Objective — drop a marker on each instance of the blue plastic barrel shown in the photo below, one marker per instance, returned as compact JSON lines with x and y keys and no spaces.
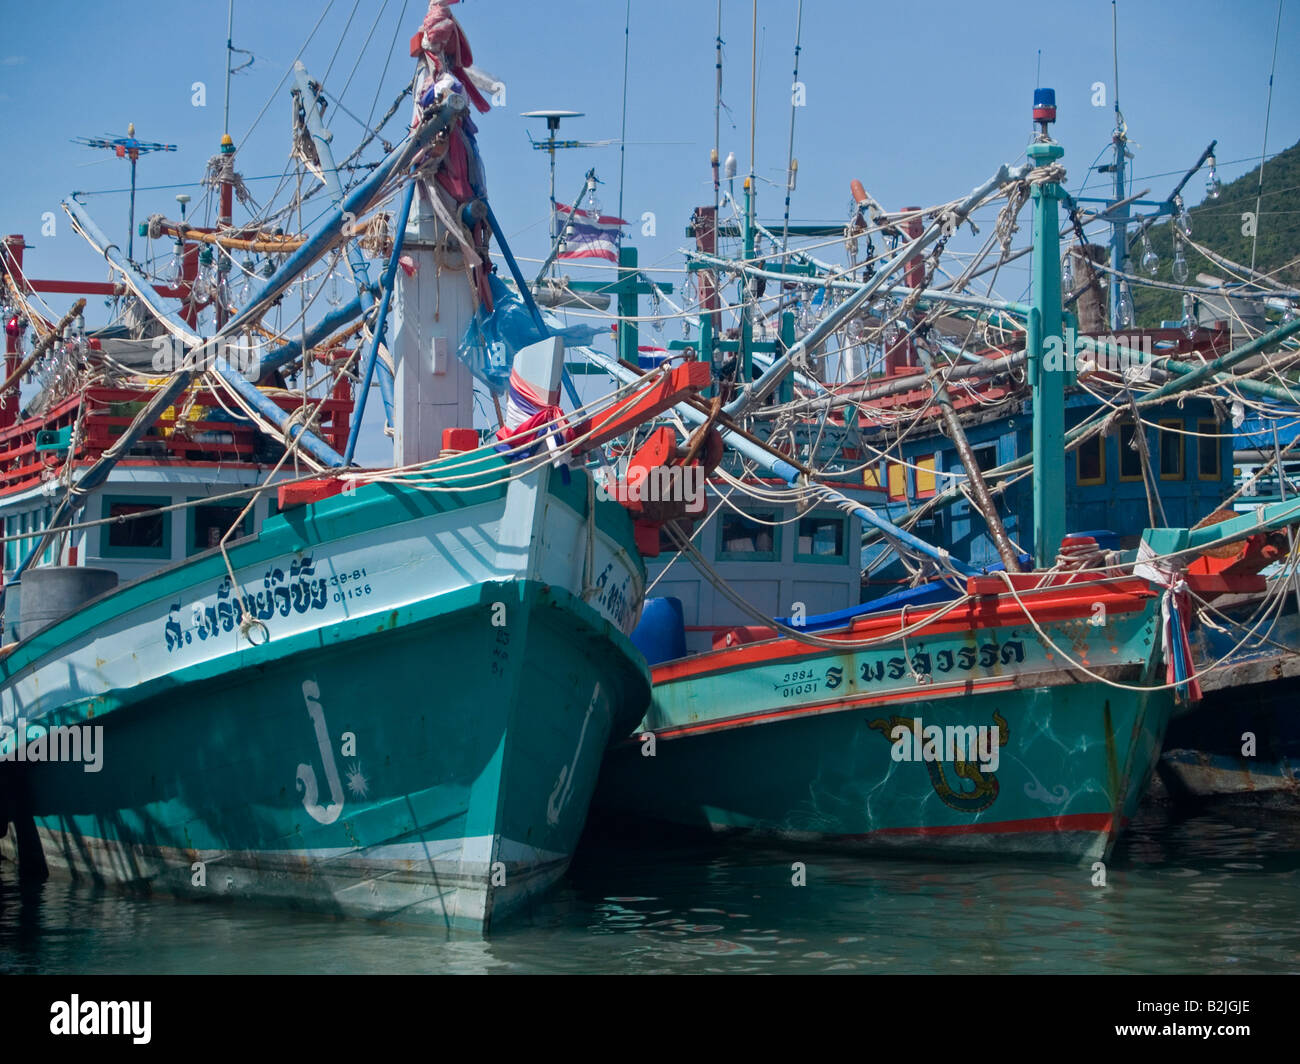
{"x":661,"y":635}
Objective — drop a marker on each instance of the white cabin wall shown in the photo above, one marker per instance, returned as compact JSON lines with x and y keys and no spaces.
{"x":771,"y":586}
{"x":432,"y":388}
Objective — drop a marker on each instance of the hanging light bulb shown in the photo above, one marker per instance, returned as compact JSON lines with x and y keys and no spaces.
{"x":77,"y":337}
{"x":244,"y":286}
{"x":1150,"y":260}
{"x":1184,"y":219}
{"x":268,"y":267}
{"x":175,"y":269}
{"x":1290,"y":314}
{"x":1067,"y":273}
{"x":334,"y":287}
{"x":202,"y":289}
{"x":1179,"y":268}
{"x":818,"y":309}
{"x":1213,"y":186}
{"x":1189,"y":315}
{"x":1124,"y":310}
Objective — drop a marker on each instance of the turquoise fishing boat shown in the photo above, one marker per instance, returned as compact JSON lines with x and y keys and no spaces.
{"x":378,"y":692}
{"x":976,"y":710}
{"x":977,"y":725}
{"x":410,"y":728}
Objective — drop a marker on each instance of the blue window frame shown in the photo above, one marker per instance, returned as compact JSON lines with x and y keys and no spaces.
{"x":206,"y":523}
{"x":144,"y":537}
{"x":749,"y":537}
{"x":822,"y":538}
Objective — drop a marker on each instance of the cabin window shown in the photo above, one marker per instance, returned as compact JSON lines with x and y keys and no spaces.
{"x":925,"y":476}
{"x":207,"y":523}
{"x":1090,"y":461}
{"x":139,"y":537}
{"x":1208,"y":453}
{"x":1171,"y":450}
{"x":986,"y":457}
{"x":871,"y":476}
{"x":1130,"y":459}
{"x":897,"y":481}
{"x":749,"y":537}
{"x":821,"y":539}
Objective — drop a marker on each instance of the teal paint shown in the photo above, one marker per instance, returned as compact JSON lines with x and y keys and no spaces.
{"x":1048,"y":381}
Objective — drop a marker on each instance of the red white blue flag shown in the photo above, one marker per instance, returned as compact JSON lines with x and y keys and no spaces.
{"x":588,"y":235}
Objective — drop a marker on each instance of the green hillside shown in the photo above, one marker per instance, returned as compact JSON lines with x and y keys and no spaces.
{"x":1217,"y":224}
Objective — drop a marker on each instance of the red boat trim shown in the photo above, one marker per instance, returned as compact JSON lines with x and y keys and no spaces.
{"x":1091,"y":822}
{"x":1052,"y":604}
{"x":966,"y":687}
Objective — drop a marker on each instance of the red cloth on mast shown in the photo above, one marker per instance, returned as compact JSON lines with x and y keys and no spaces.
{"x":441,"y":34}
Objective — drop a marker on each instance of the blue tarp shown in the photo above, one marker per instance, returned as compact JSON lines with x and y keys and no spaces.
{"x":491,"y":342}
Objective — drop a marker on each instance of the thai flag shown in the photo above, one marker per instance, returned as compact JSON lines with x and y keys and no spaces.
{"x":587,"y":235}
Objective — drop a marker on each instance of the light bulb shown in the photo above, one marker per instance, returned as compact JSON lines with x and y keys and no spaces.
{"x":77,"y":337}
{"x":1189,"y":317}
{"x":1067,"y":273}
{"x":1150,"y":260}
{"x":175,"y":270}
{"x":1213,"y":186}
{"x":334,"y":289}
{"x":805,"y":312}
{"x":1290,"y":314}
{"x":1124,"y":310}
{"x":1180,"y":265}
{"x":244,"y":286}
{"x":199,"y":289}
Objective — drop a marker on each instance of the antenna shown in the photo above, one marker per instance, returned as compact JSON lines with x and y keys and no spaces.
{"x":792,"y":164}
{"x":126,"y":148}
{"x":551,"y":146}
{"x":622,"y":136}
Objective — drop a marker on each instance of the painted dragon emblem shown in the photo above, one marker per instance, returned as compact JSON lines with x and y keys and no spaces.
{"x":983,"y":790}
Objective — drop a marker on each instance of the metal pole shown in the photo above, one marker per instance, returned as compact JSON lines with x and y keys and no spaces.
{"x":130,"y":224}
{"x":1048,"y":381}
{"x":377,"y":334}
{"x":983,"y":501}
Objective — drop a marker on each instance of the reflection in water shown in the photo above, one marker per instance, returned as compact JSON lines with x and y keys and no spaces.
{"x":1198,"y":895}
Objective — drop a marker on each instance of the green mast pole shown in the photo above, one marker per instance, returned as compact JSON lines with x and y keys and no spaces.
{"x":628,"y":305}
{"x":1048,"y":381}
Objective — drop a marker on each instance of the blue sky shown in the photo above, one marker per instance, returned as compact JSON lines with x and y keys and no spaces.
{"x":920,"y":102}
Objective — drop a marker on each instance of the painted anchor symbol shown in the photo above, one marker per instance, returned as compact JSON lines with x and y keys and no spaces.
{"x":322,"y":814}
{"x":564,"y":783}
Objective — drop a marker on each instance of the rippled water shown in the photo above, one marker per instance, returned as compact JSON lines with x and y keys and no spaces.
{"x":1204,"y":894}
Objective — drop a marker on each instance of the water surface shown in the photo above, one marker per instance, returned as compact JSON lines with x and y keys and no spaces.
{"x":1201,"y":894}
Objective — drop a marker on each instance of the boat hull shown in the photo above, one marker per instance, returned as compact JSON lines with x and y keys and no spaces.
{"x":828,"y":747}
{"x":431,"y":761}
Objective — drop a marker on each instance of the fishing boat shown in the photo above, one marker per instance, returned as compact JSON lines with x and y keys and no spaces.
{"x":981,"y":707}
{"x":260,"y":671}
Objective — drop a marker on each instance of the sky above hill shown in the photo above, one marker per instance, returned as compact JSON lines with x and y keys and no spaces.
{"x":920,"y":102}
